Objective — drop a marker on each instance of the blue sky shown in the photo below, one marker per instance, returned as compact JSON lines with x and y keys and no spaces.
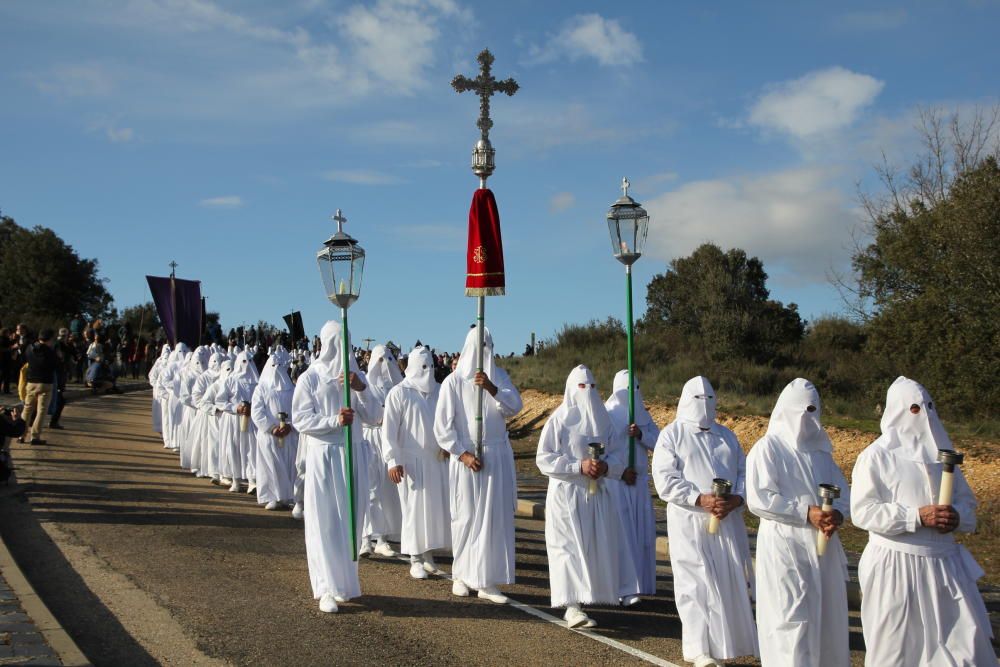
{"x":223,"y":135}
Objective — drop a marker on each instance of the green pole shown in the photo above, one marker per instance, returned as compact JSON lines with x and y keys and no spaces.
{"x":348,"y":449}
{"x":631,"y":363}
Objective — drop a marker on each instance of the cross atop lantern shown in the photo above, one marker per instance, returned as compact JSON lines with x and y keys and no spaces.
{"x":628,"y":223}
{"x":341,"y":263}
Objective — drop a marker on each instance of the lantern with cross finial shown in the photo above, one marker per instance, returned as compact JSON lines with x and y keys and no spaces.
{"x":341,"y":263}
{"x":628,"y":223}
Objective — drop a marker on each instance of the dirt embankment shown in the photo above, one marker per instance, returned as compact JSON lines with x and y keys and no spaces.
{"x":982,"y":457}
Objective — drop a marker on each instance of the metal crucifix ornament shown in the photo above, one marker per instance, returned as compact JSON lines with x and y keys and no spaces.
{"x":484,"y":259}
{"x":484,"y":85}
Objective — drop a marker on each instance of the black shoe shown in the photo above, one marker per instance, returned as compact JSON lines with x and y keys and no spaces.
{"x":37,"y":441}
{"x":58,"y":427}
{"x":21,"y":440}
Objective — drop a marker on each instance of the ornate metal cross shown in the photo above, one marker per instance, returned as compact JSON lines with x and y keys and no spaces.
{"x":484,"y":85}
{"x":173,"y":268}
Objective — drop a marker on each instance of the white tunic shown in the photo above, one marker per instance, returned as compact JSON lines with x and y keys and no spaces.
{"x":712,"y":573}
{"x":408,"y":431}
{"x":316,"y":407}
{"x":275,"y":467}
{"x":920,"y":604}
{"x":482,"y":503}
{"x":238,"y":448}
{"x":583,"y":532}
{"x":801,"y":598}
{"x":207,"y":443}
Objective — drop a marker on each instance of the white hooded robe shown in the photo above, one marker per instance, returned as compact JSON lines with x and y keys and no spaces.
{"x":408,"y":432}
{"x":919,"y":601}
{"x":801,"y":597}
{"x":583,"y":532}
{"x":712,"y":573}
{"x":275,"y":466}
{"x":482,"y":503}
{"x":384,"y":517}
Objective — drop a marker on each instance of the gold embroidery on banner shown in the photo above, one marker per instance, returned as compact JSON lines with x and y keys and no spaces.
{"x":479,"y":255}
{"x":479,"y":275}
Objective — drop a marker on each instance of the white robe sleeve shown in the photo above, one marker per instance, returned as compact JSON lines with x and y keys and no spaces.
{"x":668,"y":473}
{"x":552,"y":459}
{"x":225,"y":397}
{"x":871,"y":506}
{"x":393,"y":424}
{"x":616,"y":455}
{"x":740,"y":487}
{"x":764,"y":488}
{"x":207,"y":403}
{"x":259,"y":412}
{"x":446,"y":419}
{"x":306,"y":417}
{"x":367,"y":408}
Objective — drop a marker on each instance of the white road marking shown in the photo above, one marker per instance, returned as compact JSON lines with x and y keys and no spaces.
{"x":590,"y":634}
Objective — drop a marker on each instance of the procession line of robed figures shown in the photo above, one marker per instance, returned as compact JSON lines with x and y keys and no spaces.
{"x":419,"y":482}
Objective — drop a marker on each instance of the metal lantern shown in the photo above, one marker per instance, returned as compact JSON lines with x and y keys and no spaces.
{"x":341,"y":263}
{"x":628,"y":223}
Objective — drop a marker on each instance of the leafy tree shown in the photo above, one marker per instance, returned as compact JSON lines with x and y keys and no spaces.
{"x":44,"y":280}
{"x":142,"y":319}
{"x":720,"y":303}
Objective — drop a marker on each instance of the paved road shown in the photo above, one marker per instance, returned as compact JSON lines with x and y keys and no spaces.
{"x":144,"y":564}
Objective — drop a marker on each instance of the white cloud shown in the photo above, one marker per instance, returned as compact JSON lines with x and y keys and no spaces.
{"x":868,"y":21}
{"x":589,"y":36}
{"x":797,"y":221}
{"x":561,"y":201}
{"x":360,"y":177}
{"x":227,"y":201}
{"x":816,"y":104}
{"x":75,"y":80}
{"x":119,"y":135}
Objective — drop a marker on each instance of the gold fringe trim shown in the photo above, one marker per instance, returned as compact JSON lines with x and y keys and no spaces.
{"x":485,"y":291}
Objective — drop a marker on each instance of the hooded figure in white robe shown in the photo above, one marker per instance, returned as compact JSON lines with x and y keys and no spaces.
{"x":154,"y":380}
{"x":920,"y":604}
{"x":583,"y":530}
{"x":384,"y":518}
{"x":170,"y":389}
{"x":635,"y":501}
{"x":417,"y":466}
{"x":215,"y":453}
{"x":713,"y":574}
{"x":316,"y":415}
{"x":238,"y":447}
{"x":275,"y":455}
{"x":206,"y":427}
{"x":801,"y":596}
{"x":482,"y":501}
{"x":197,"y":363}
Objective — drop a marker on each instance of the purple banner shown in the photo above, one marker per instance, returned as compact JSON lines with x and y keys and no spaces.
{"x":178,"y":303}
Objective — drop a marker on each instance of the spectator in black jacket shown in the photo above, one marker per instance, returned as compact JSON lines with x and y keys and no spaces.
{"x":42,"y":365}
{"x":11,"y":426}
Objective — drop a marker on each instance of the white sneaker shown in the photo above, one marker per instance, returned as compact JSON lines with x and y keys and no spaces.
{"x":705,"y":660}
{"x":574,"y":617}
{"x":225,"y":481}
{"x":366,"y":549}
{"x":417,"y":570}
{"x":271,"y":506}
{"x":297,"y":512}
{"x":630,"y":600}
{"x":493,"y":594}
{"x":339,"y":599}
{"x":459,"y":588}
{"x":430,"y":567}
{"x":252,"y":487}
{"x":327,"y":604}
{"x":235,"y":488}
{"x":383,"y":549}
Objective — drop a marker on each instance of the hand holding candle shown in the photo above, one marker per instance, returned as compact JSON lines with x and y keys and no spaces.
{"x":949,"y":459}
{"x":282,"y":416}
{"x":596,"y":451}
{"x":828,"y":493}
{"x":244,"y":412}
{"x":720,"y":489}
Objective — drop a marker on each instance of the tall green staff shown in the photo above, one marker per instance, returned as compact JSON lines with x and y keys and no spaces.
{"x":485,"y":275}
{"x":628,"y":223}
{"x":341,"y":263}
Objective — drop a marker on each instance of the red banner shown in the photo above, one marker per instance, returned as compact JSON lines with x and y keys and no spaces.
{"x":484,"y":276}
